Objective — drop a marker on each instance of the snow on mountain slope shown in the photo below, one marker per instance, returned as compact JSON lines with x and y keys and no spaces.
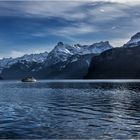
{"x":134,"y":41}
{"x":34,"y":57}
{"x":62,"y":51}
{"x":6,"y":62}
{"x":95,"y":48}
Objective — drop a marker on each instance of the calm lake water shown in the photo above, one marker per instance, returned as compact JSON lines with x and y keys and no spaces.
{"x":70,"y":109}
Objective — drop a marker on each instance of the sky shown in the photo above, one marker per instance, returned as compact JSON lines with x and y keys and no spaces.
{"x":36,"y":26}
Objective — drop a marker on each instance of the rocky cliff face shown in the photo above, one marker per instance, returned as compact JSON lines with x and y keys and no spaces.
{"x":76,"y":67}
{"x":63,"y":62}
{"x":133,"y":42}
{"x":62,"y":52}
{"x":118,"y":63}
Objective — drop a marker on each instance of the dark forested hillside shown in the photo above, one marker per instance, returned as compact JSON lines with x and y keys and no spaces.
{"x":117,"y":63}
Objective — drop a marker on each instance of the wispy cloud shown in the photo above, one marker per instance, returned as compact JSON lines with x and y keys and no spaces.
{"x":79,"y":29}
{"x":108,"y":12}
{"x":29,"y":24}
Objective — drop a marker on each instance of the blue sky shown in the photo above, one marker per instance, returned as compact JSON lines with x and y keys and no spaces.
{"x":36,"y":26}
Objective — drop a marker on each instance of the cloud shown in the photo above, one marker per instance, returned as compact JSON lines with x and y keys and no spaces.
{"x":15,"y":54}
{"x":42,"y":9}
{"x":68,"y":10}
{"x":79,"y":29}
{"x":33,"y":22}
{"x":121,"y":1}
{"x":118,"y":42}
{"x":108,"y":12}
{"x":12,"y":54}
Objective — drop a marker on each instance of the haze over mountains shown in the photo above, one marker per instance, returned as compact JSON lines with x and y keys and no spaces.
{"x":73,"y":61}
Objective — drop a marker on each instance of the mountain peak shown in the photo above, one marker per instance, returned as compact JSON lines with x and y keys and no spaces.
{"x":136,"y":36}
{"x":134,"y":41}
{"x":106,"y":42}
{"x":60,"y":44}
{"x":102,"y":43}
{"x":61,"y":47}
{"x":100,"y":46}
{"x":77,"y":45}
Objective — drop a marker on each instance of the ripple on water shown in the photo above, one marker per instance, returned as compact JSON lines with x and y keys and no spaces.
{"x":71,"y":110}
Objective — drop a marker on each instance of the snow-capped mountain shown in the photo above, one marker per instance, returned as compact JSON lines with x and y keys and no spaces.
{"x":34,"y":57}
{"x":64,"y":61}
{"x":95,"y":48}
{"x":134,"y":41}
{"x":75,"y":67}
{"x":7,"y":62}
{"x":62,"y":51}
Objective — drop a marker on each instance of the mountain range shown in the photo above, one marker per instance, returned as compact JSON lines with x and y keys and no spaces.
{"x":117,"y":63}
{"x":63,"y":62}
{"x":7,"y":62}
{"x":99,"y":60}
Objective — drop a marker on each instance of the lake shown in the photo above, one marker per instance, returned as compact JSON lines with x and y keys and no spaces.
{"x":99,"y":109}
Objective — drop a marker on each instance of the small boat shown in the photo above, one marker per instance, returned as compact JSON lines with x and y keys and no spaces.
{"x":28,"y":79}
